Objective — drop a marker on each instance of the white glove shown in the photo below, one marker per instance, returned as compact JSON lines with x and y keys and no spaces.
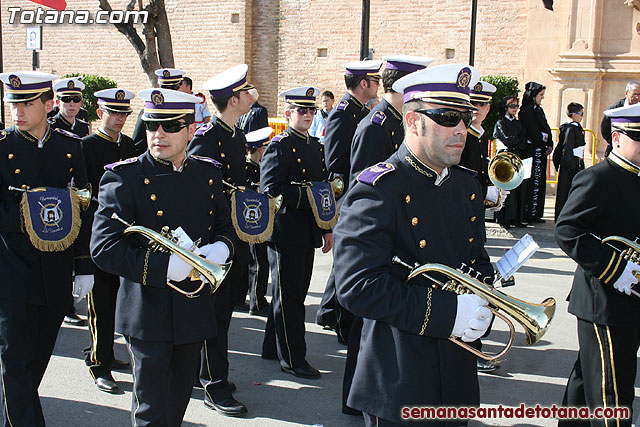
{"x":472,"y":318}
{"x":184,"y":241}
{"x":82,"y":285}
{"x":217,"y":252}
{"x":178,"y":270}
{"x":627,"y":278}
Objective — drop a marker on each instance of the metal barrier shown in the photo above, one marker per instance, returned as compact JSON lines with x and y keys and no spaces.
{"x":594,"y":157}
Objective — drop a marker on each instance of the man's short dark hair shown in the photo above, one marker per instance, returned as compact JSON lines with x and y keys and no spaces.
{"x":573,"y":108}
{"x":221,"y":102}
{"x":412,"y":105}
{"x":189,"y":118}
{"x":188,"y":82}
{"x":389,"y":77}
{"x":352,"y":81}
{"x":328,"y":94}
{"x":46,"y":96}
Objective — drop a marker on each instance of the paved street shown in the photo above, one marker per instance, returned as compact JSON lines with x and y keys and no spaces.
{"x":528,"y":375}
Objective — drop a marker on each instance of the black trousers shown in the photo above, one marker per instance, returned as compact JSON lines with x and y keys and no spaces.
{"x":27,"y":337}
{"x":353,"y":347}
{"x":214,"y":364}
{"x":537,"y":185}
{"x":241,"y":286}
{"x":162,"y":380}
{"x":291,"y":268}
{"x":102,"y":314}
{"x":605,"y":371}
{"x":258,"y":276}
{"x":331,"y":313}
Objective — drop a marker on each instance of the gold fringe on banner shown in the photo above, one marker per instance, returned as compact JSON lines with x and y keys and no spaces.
{"x":253,"y":238}
{"x":48,"y":245}
{"x":325,"y":225}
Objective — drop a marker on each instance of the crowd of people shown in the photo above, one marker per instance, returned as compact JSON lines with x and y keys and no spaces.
{"x":141,"y":225}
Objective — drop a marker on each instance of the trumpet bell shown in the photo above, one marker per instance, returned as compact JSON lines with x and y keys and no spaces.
{"x":337,"y":185}
{"x":84,"y":196}
{"x":506,"y":171}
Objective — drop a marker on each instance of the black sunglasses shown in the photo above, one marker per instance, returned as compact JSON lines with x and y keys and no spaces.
{"x":480,"y":103}
{"x":633,"y":134}
{"x":304,"y":110}
{"x":169,"y":126}
{"x":447,"y":117}
{"x":75,"y":98}
{"x":512,"y":105}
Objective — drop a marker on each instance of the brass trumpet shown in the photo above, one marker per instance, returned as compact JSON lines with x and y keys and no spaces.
{"x":631,"y":253}
{"x":505,"y":172}
{"x":84,"y":194}
{"x":534,"y":318}
{"x":212,"y":273}
{"x":337,"y":185}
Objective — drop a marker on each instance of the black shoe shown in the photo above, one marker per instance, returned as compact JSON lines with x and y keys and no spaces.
{"x":242,"y":306}
{"x":119,"y":365}
{"x":350,"y":411}
{"x":74,"y":319}
{"x":486,"y":365}
{"x":229,"y":406}
{"x":106,"y":383}
{"x":307,"y":371}
{"x":264,"y":311}
{"x":519,"y":225}
{"x":269,"y":356}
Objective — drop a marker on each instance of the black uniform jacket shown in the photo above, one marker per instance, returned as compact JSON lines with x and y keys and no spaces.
{"x":534,"y":122}
{"x":293,"y":157}
{"x":80,"y":127}
{"x":476,"y":157}
{"x":256,"y":118}
{"x":149,"y":193}
{"x":405,"y":357}
{"x":253,"y":174}
{"x":29,"y":275}
{"x":604,"y":201}
{"x":338,"y":134}
{"x":139,"y":135}
{"x":377,"y":137}
{"x":224,"y":143}
{"x":99,"y":149}
{"x":605,"y":125}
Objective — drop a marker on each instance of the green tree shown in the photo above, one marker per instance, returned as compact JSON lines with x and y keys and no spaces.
{"x":505,"y":86}
{"x":92,"y":83}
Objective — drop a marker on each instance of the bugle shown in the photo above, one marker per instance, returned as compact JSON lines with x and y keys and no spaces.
{"x":631,"y":253}
{"x":204,"y":270}
{"x":534,"y":318}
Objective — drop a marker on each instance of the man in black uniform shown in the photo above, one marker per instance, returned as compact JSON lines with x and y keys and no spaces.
{"x":293,"y":157}
{"x":256,"y":118}
{"x":107,"y":145}
{"x":168,"y":78}
{"x":420,"y":207}
{"x":631,"y":96}
{"x":603,"y":202}
{"x":362,"y":79}
{"x":377,"y":137}
{"x":257,"y":142}
{"x":476,"y":150}
{"x":222,"y":141}
{"x":69,"y":100}
{"x":36,"y":284}
{"x":164,"y":329}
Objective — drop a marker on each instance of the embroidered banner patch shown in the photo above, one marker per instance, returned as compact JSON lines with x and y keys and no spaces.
{"x":51,"y":217}
{"x":252,"y":215}
{"x":323,"y":204}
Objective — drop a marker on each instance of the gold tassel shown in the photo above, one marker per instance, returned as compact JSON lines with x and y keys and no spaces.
{"x":325,"y":225}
